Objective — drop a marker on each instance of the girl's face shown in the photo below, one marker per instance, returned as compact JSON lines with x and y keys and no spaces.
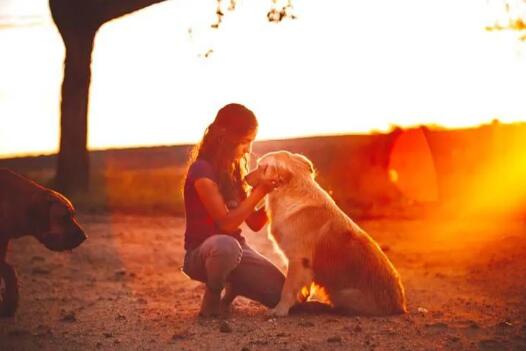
{"x":245,"y":145}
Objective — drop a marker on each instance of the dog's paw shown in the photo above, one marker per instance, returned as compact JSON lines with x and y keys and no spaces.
{"x":7,"y":310}
{"x":278,"y":311}
{"x":8,"y":301}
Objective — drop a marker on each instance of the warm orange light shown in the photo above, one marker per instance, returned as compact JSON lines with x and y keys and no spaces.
{"x":314,"y":292}
{"x":499,"y":187}
{"x":488,"y":194}
{"x":411,"y":166}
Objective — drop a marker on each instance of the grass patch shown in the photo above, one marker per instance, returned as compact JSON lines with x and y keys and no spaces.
{"x":150,"y":191}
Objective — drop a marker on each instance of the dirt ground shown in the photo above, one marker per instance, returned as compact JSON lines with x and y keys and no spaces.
{"x":123,"y":290}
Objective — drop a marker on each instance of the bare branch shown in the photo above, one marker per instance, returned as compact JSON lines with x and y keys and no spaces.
{"x":278,"y":12}
{"x":516,"y":18}
{"x":93,"y":13}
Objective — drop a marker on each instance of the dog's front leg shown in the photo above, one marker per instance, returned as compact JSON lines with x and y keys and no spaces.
{"x":297,"y":277}
{"x":9,"y":297}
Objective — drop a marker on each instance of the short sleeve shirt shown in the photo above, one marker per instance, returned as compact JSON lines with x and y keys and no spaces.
{"x":199,"y":224}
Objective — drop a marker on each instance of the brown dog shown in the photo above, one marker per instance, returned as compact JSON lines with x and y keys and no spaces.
{"x":323,"y":245}
{"x":27,"y":208}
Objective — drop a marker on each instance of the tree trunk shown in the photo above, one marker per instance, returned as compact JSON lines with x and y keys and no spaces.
{"x":73,"y":158}
{"x":78,"y":22}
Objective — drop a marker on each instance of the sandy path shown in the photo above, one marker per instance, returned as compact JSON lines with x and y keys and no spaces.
{"x":122,"y":290}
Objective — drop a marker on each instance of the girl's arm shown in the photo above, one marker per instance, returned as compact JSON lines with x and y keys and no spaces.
{"x":228,"y":220}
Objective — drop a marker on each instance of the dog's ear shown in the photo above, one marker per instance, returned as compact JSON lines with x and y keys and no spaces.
{"x":270,"y":170}
{"x":280,"y":171}
{"x":38,"y":213}
{"x":284,"y":176}
{"x":56,"y":197}
{"x":306,"y":163}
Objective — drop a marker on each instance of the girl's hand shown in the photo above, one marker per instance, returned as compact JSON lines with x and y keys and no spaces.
{"x":258,"y":178}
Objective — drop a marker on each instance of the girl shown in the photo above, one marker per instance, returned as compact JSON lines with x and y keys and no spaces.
{"x":217,"y":203}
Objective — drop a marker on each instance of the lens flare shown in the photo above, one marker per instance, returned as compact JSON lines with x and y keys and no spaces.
{"x":411,"y":166}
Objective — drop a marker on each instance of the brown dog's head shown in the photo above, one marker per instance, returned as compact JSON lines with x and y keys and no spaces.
{"x":53,"y":223}
{"x":281,"y":167}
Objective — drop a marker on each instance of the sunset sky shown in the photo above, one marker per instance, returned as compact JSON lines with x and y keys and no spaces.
{"x":340,"y":67}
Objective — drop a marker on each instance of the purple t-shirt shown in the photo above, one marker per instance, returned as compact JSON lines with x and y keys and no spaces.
{"x":199,"y":224}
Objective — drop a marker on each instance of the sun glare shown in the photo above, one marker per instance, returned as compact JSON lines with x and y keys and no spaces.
{"x":499,"y":187}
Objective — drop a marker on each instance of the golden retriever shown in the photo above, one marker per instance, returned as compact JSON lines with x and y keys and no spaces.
{"x":323,"y":245}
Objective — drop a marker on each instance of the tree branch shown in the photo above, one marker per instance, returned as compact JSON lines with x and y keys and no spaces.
{"x":82,"y":14}
{"x":110,"y":9}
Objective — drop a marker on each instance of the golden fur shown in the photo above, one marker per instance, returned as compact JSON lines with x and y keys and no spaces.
{"x":323,"y":245}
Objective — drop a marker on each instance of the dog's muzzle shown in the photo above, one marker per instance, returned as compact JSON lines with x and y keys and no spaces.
{"x":62,"y":241}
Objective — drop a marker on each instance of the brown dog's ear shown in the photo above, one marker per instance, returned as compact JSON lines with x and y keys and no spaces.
{"x":54,"y":196}
{"x":38,"y":214}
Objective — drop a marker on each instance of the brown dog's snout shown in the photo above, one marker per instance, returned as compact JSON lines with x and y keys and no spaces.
{"x":78,"y":238}
{"x":62,"y":240}
{"x":74,"y":235}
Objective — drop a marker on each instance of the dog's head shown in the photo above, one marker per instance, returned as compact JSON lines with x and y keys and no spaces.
{"x":281,"y":168}
{"x":53,"y":223}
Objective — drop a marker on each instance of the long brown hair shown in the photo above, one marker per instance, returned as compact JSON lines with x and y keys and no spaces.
{"x":233,"y":122}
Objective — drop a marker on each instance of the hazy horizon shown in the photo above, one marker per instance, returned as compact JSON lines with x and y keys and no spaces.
{"x":432,"y":127}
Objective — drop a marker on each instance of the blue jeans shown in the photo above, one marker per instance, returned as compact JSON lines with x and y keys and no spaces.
{"x":221,"y":260}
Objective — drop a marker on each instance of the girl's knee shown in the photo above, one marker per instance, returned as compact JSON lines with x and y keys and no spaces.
{"x":226,"y":246}
{"x":270,"y":296}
